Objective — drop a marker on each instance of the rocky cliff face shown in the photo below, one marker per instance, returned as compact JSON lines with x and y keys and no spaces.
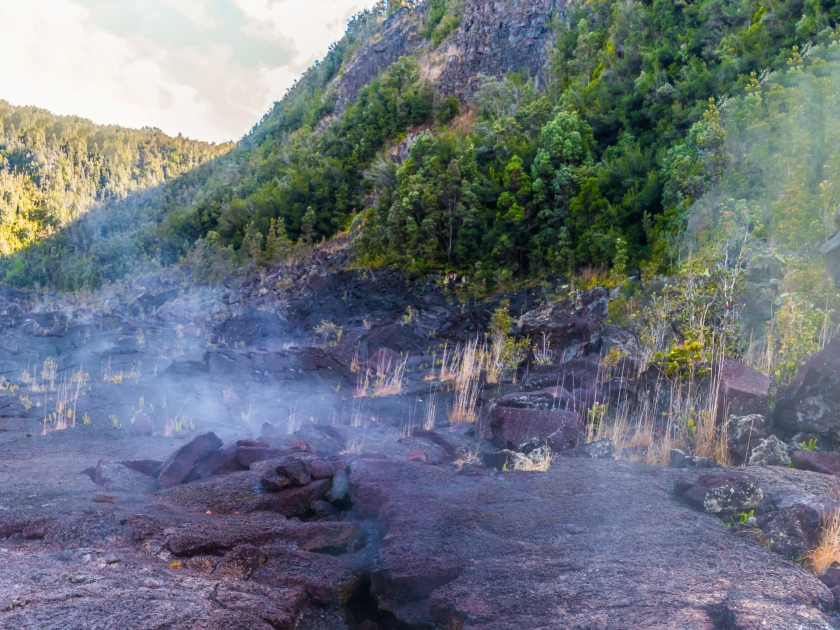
{"x":493,"y":38}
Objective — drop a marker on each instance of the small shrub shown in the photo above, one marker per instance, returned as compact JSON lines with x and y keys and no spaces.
{"x":449,"y":108}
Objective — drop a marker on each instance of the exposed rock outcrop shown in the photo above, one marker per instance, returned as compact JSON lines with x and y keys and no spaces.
{"x":811,"y":402}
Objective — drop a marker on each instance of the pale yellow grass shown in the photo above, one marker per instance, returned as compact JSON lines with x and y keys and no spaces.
{"x":828,"y":549}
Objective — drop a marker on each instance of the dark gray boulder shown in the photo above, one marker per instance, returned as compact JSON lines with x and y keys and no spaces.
{"x":811,"y":402}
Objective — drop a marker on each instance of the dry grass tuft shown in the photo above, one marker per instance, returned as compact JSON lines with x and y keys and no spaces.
{"x":828,"y":550}
{"x":538,"y":461}
{"x":466,"y":458}
{"x":386,"y":382}
{"x":431,"y":411}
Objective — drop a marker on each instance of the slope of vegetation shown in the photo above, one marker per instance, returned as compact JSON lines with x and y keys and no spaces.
{"x":606,"y":159}
{"x":54,"y":169}
{"x":597,"y":163}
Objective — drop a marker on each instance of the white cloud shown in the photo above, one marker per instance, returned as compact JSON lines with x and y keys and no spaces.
{"x":207,"y":68}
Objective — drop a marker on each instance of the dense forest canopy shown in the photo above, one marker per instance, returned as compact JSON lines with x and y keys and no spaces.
{"x":598,"y":159}
{"x":53,"y":169}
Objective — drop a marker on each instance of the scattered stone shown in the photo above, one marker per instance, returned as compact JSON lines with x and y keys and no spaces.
{"x":295,"y":468}
{"x":149,"y":467}
{"x":811,"y":402}
{"x":113,"y":476}
{"x":272,"y":482}
{"x":36,"y":530}
{"x":792,"y":531}
{"x":247,"y":455}
{"x":724,"y":494}
{"x":831,"y":576}
{"x":238,"y":563}
{"x":297,"y":501}
{"x":180,"y":463}
{"x":100,"y":497}
{"x":143,"y":424}
{"x":340,"y":487}
{"x":384,"y":360}
{"x":743,"y":390}
{"x":325,"y":469}
{"x":417,"y":456}
{"x":219,"y":462}
{"x":571,"y":326}
{"x":743,"y":434}
{"x":325,"y":509}
{"x":528,"y":429}
{"x":504,"y":459}
{"x":825,"y":462}
{"x":603,"y":448}
{"x":679,"y":459}
{"x":770,"y":452}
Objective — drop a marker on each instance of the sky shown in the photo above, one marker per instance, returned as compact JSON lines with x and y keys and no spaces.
{"x":208,"y":69}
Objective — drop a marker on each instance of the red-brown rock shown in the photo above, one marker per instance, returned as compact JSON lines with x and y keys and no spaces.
{"x":180,"y":463}
{"x":325,"y":468}
{"x":247,"y":455}
{"x":216,"y":463}
{"x":297,"y":501}
{"x":150,"y":467}
{"x":527,"y":429}
{"x":825,"y":462}
{"x":743,"y":390}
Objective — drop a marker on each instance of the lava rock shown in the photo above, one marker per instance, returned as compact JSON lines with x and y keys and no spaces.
{"x":792,"y":531}
{"x":724,"y":494}
{"x":571,"y":326}
{"x":528,"y":429}
{"x":150,"y":467}
{"x":503,"y":460}
{"x":325,"y":469}
{"x":238,"y":563}
{"x":825,"y":462}
{"x":248,"y":455}
{"x":831,"y":576}
{"x":143,"y":425}
{"x":743,"y":389}
{"x":384,"y":361}
{"x":743,"y":434}
{"x":811,"y":402}
{"x":181,"y":462}
{"x":297,"y":501}
{"x":597,"y":449}
{"x":272,"y":482}
{"x":113,"y":476}
{"x":296,"y":468}
{"x":216,"y":463}
{"x":325,"y":509}
{"x":770,"y":452}
{"x":679,"y":459}
{"x":340,"y":487}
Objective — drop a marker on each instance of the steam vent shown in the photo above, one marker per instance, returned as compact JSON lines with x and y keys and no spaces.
{"x":504,"y":315}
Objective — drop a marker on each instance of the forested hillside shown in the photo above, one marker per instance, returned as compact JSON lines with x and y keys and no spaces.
{"x":594,"y":159}
{"x":605,"y":149}
{"x":54,"y":169}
